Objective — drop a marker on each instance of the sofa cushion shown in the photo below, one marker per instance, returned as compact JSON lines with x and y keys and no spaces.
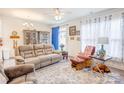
{"x":55,"y":57}
{"x":33,"y":60}
{"x":48,"y":49}
{"x":39,"y":49}
{"x":46,"y":63}
{"x":26,"y":51}
{"x":44,"y":58}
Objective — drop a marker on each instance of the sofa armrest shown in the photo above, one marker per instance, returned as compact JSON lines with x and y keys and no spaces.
{"x":19,"y":58}
{"x":19,"y":70}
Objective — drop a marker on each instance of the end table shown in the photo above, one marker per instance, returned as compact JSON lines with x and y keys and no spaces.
{"x":65,"y":54}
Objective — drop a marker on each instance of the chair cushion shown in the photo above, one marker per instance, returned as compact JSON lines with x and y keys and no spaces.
{"x":39,"y":49}
{"x":89,"y":50}
{"x":86,"y":57}
{"x":77,"y":60}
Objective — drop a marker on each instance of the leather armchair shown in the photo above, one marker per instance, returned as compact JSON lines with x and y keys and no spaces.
{"x":83,"y":60}
{"x":89,"y":50}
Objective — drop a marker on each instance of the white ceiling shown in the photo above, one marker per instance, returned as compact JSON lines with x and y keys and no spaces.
{"x":46,"y":15}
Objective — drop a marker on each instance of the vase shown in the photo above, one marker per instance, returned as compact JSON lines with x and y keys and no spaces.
{"x":102,"y":52}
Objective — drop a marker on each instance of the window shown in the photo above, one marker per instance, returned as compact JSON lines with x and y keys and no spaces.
{"x":104,"y":26}
{"x":63,"y":38}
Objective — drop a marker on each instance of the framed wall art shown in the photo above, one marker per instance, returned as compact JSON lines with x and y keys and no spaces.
{"x":78,"y":38}
{"x":72,"y":30}
{"x":71,"y":38}
{"x":78,"y":32}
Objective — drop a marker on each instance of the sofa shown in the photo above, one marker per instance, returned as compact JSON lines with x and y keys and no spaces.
{"x":38,"y":54}
{"x":17,"y":74}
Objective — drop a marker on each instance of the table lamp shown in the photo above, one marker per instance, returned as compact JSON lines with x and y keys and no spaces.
{"x":102,"y":41}
{"x":61,"y":46}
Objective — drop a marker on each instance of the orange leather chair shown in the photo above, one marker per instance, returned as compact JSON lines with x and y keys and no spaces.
{"x":83,"y":60}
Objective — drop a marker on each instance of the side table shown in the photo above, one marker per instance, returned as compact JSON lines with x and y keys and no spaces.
{"x":102,"y":68}
{"x":65,"y":54}
{"x":104,"y":59}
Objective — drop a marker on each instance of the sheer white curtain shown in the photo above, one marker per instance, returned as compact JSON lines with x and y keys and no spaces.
{"x":89,"y":32}
{"x":122,"y":29}
{"x":63,"y":37}
{"x":104,"y":26}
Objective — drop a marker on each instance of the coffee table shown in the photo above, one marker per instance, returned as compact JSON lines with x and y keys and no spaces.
{"x":103,"y":59}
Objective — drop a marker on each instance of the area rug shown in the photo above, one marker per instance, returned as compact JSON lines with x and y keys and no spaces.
{"x":63,"y":73}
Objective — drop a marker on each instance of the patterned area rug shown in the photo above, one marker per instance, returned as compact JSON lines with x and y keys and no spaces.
{"x":62,"y":73}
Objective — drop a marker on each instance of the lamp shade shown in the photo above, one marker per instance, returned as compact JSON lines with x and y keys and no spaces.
{"x":103,"y":40}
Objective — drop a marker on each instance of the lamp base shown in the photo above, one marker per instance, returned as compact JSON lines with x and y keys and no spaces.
{"x":102,"y":52}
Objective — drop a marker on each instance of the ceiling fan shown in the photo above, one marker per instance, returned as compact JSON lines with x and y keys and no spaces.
{"x":58,"y":13}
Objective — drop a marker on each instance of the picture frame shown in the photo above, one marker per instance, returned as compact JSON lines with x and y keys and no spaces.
{"x":78,"y":32}
{"x":72,"y":30}
{"x":78,"y":38}
{"x":71,"y":38}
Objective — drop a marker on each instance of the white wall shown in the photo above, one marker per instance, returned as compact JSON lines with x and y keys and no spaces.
{"x":73,"y":45}
{"x":10,"y":24}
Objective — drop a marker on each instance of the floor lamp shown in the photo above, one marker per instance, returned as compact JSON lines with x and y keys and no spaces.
{"x":15,"y":38}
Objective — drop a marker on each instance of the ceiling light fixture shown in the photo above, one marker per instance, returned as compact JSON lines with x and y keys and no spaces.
{"x":28,"y":25}
{"x":58,"y":14}
{"x":58,"y":17}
